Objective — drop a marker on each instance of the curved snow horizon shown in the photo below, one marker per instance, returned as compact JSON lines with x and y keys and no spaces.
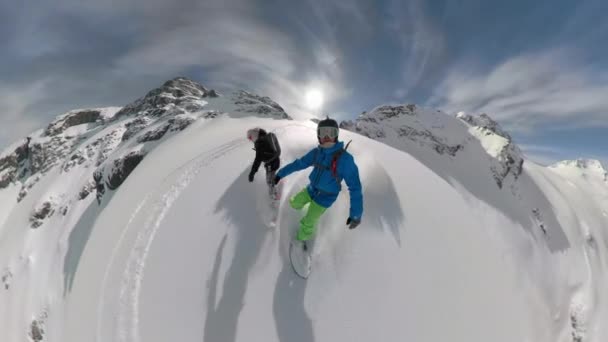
{"x":460,"y":240}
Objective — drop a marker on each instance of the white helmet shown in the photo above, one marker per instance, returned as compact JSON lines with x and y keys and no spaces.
{"x":253,"y":133}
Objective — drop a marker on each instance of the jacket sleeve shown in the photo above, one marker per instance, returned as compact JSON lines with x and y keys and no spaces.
{"x":298,"y":164}
{"x":351,"y":177}
{"x":257,"y":161}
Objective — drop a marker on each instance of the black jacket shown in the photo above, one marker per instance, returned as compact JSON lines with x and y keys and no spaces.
{"x":267,"y":150}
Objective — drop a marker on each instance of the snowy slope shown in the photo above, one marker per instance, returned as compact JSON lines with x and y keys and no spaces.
{"x":461,"y":239}
{"x":48,"y":179}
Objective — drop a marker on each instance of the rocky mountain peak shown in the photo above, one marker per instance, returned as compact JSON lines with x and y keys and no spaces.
{"x":70,"y":119}
{"x":391,"y":111}
{"x":484,"y":121}
{"x":582,"y":163}
{"x":110,"y":142}
{"x":411,"y":128}
{"x":175,"y":96}
{"x":262,"y":106}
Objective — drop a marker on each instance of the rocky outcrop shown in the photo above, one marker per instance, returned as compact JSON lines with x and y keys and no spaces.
{"x":403,"y":123}
{"x":174,"y":97}
{"x":167,"y":109}
{"x":135,"y":126}
{"x":409,"y":128}
{"x":586,"y":166}
{"x":44,"y":210}
{"x":122,"y":168}
{"x":510,"y":162}
{"x":484,"y":121}
{"x":498,"y":143}
{"x":86,"y":190}
{"x":259,"y":105}
{"x":6,"y":278}
{"x":36,"y":331}
{"x":14,"y":165}
{"x":112,"y":175}
{"x":72,"y":118}
{"x":175,"y":124}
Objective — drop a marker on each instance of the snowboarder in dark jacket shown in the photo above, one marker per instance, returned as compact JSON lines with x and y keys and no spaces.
{"x":268,"y":151}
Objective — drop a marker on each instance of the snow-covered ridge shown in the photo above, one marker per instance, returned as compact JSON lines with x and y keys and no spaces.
{"x":47,"y":179}
{"x":484,"y":121}
{"x":411,"y":128}
{"x":582,"y":167}
{"x":87,"y":137}
{"x":589,"y":164}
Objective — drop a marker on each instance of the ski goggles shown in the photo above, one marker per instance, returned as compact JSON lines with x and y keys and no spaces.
{"x":327,"y":132}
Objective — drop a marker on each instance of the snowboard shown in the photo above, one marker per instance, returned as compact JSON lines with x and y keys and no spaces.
{"x":274,"y":194}
{"x":300,"y":257}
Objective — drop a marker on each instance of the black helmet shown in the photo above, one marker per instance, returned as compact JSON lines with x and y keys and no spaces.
{"x":328,"y":128}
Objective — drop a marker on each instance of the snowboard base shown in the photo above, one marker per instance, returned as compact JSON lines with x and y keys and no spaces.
{"x":299,"y":256}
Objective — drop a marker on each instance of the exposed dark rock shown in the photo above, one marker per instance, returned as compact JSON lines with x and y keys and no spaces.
{"x":393,"y":111}
{"x":485,"y":121}
{"x":86,"y":190}
{"x":72,"y":119}
{"x":99,"y":185}
{"x":41,"y":213}
{"x":6,"y":278}
{"x":425,"y":136}
{"x":36,"y":331}
{"x":175,"y":124}
{"x":155,"y":134}
{"x":577,"y":328}
{"x":14,"y":165}
{"x":370,"y":132}
{"x":260,"y":105}
{"x":43,"y":156}
{"x":509,"y":160}
{"x":135,"y":127}
{"x":6,"y":178}
{"x":179,"y":91}
{"x":22,"y":194}
{"x":377,"y":123}
{"x":121,"y":168}
{"x":212,"y":114}
{"x":76,"y":159}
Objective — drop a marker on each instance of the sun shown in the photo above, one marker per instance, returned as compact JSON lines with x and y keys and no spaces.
{"x":314,"y":99}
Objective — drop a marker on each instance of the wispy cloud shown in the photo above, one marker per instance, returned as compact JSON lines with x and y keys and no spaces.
{"x":359,"y":53}
{"x":422,"y":43}
{"x":549,"y":87}
{"x":109,"y":53}
{"x":15,"y":103}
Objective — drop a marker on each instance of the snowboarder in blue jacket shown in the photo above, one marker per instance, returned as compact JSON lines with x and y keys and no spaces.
{"x":331,"y":164}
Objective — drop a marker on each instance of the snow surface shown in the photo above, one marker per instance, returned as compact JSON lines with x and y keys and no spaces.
{"x":187,"y":249}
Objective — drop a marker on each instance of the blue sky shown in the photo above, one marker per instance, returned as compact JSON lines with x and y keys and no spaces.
{"x":539,"y":68}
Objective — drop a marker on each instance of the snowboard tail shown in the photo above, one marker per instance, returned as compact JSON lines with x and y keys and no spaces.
{"x":300,"y":257}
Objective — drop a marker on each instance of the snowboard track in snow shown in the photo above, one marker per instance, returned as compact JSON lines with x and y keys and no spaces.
{"x":128,"y":315}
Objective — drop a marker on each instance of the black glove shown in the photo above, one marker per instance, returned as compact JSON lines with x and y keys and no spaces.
{"x":352,"y":223}
{"x":276,"y":180}
{"x":251,"y":177}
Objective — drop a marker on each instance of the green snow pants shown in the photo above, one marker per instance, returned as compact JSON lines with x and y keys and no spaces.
{"x":308,"y":222}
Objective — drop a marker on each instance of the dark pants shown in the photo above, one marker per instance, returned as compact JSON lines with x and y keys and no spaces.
{"x":271,"y":171}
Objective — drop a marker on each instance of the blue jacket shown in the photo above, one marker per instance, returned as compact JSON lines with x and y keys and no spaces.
{"x":323,"y":187}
